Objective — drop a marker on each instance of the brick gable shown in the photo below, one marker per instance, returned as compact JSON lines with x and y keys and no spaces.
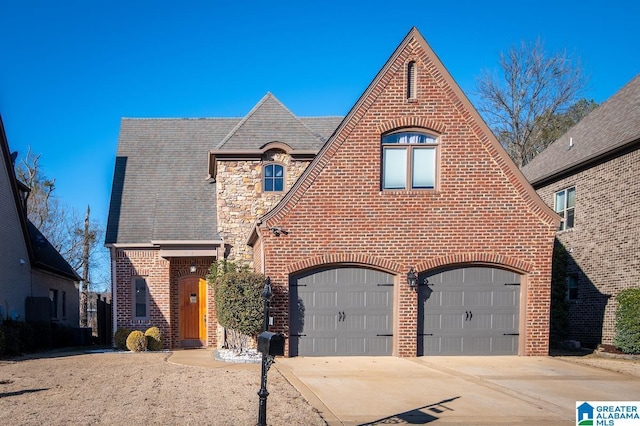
{"x":482,"y":211}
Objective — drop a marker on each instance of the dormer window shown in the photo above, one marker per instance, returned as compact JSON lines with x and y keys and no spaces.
{"x":273,"y":178}
{"x":409,"y":160}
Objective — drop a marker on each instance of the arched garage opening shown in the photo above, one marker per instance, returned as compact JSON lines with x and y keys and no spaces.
{"x":341,"y":310}
{"x":472,"y":310}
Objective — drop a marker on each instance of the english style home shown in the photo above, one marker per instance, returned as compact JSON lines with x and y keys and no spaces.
{"x":340,"y":213}
{"x":591,"y":177}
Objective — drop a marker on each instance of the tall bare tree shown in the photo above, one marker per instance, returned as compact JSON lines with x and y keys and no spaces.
{"x":63,"y":227}
{"x":520,"y":102}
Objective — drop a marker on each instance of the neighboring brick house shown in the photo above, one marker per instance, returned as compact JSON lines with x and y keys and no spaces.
{"x":36,"y":282}
{"x":591,"y":176}
{"x":336,"y":211}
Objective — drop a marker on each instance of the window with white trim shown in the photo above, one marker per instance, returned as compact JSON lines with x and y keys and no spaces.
{"x":140,"y":298}
{"x":409,"y":160}
{"x":273,"y":178}
{"x":565,"y":204}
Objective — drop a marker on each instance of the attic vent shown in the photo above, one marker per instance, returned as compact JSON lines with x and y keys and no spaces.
{"x":411,"y":80}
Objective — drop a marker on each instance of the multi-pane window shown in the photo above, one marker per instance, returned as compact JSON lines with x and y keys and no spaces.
{"x":273,"y":177}
{"x":572,"y":287}
{"x":409,"y":161}
{"x":64,"y":304}
{"x":53,"y":297}
{"x":140,"y":298}
{"x":565,"y":206}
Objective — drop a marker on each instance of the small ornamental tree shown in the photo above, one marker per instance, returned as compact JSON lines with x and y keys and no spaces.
{"x":627,"y":337}
{"x":239,"y":305}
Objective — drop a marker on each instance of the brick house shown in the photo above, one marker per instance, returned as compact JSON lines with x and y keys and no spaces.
{"x":36,"y":283}
{"x":334,"y":211}
{"x":591,"y":176}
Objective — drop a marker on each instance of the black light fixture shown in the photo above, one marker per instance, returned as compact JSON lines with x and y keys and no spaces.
{"x":412,"y":279}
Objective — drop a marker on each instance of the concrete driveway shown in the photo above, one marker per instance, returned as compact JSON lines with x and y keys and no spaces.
{"x":452,"y":390}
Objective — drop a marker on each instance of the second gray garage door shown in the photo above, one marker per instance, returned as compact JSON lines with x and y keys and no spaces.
{"x":469,"y":311}
{"x":341,"y":311}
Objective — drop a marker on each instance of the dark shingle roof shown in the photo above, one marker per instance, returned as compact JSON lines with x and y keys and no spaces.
{"x":46,"y":257}
{"x":612,"y":125}
{"x":271,"y":121}
{"x":160,"y":191}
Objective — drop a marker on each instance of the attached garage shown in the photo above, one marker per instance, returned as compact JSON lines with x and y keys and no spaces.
{"x":341,"y":311}
{"x":469,"y":311}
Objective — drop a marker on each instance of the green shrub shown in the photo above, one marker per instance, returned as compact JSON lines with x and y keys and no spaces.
{"x":154,"y":339}
{"x":627,"y":337}
{"x":559,"y":325}
{"x":137,"y":341}
{"x":120,"y":338}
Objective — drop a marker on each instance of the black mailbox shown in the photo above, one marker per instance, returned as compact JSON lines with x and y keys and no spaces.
{"x":271,"y":343}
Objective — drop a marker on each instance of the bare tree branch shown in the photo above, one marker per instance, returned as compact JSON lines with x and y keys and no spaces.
{"x":533,"y":89}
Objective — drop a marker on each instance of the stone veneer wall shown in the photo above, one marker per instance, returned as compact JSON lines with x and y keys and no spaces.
{"x":603,"y":244}
{"x":241,"y":200}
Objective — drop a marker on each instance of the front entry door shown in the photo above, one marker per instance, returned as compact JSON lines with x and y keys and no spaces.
{"x":193,"y":309}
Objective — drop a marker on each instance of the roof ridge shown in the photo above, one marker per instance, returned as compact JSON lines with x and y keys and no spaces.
{"x":244,"y":120}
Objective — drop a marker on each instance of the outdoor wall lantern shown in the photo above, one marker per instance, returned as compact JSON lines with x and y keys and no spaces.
{"x":412,"y":279}
{"x":193,"y":268}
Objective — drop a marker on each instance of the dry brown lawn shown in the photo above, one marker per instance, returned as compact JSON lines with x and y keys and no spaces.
{"x":119,"y":388}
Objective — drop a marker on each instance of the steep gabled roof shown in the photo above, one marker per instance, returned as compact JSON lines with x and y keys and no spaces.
{"x":270,"y":121}
{"x":160,"y":191}
{"x":609,"y":128}
{"x":461,"y":102}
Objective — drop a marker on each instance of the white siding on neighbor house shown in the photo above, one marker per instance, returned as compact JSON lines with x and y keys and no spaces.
{"x":15,"y":277}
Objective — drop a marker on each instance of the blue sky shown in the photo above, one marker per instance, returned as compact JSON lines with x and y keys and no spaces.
{"x":70,"y":70}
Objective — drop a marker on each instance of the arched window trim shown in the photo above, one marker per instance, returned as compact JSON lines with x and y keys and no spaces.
{"x":270,"y":183}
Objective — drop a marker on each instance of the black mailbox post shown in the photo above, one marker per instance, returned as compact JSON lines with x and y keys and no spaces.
{"x":271,"y":343}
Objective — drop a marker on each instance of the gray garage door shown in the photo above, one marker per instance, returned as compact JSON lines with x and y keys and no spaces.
{"x":341,"y":311}
{"x":469,"y":311}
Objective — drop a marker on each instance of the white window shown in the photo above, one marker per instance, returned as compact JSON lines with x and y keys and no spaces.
{"x":565,"y":206}
{"x":409,"y":160}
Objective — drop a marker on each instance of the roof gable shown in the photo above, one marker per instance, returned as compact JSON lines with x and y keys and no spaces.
{"x":270,"y":121}
{"x":414,"y":47}
{"x":610,"y":127}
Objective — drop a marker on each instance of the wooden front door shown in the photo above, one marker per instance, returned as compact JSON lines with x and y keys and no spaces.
{"x":193,"y":310}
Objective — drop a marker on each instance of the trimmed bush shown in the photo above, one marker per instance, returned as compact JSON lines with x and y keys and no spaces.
{"x":120,"y":338}
{"x":137,"y":341}
{"x":627,"y":337}
{"x":154,"y":339}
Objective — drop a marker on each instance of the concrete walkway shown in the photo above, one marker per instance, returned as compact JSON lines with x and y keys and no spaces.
{"x":445,"y":390}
